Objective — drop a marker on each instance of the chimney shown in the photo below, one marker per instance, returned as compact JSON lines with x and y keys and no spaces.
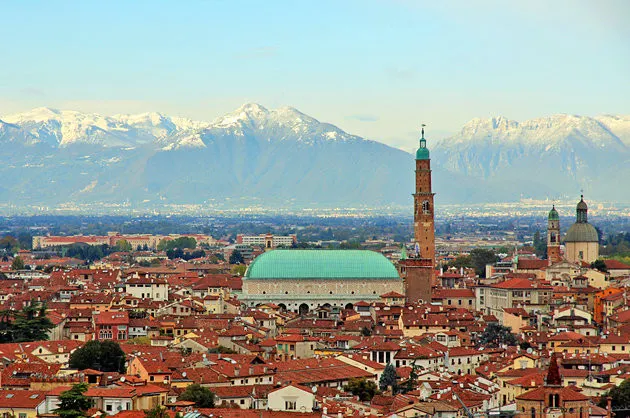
{"x":608,"y":407}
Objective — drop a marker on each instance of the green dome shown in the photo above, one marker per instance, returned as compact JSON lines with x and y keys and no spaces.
{"x":581,"y":232}
{"x":422,"y":154}
{"x":423,"y":151}
{"x":553,"y":214}
{"x":321,"y":264}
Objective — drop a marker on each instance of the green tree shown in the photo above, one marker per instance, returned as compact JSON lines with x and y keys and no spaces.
{"x":9,"y":243}
{"x":73,"y":403}
{"x":144,"y":340}
{"x":238,"y":270}
{"x":201,"y":396}
{"x":158,"y":411}
{"x":480,"y":257}
{"x":366,"y":332}
{"x":599,"y":265}
{"x":413,"y":379}
{"x":236,"y":257}
{"x":105,"y":356}
{"x":540,"y":245}
{"x":620,"y":396}
{"x":124,"y":245}
{"x":362,"y":388}
{"x":388,"y":379}
{"x":18,"y":264}
{"x":464,"y":261}
{"x":221,"y":350}
{"x":31,"y":324}
{"x":181,"y":243}
{"x":496,"y":335}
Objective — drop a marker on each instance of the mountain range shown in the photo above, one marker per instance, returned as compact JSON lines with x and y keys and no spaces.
{"x":283,"y":158}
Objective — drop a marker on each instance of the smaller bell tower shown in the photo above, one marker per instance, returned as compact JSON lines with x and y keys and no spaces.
{"x":553,"y":236}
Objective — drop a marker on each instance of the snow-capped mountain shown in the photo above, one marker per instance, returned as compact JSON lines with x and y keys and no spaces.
{"x":282,"y":157}
{"x":545,"y":157}
{"x":252,"y":155}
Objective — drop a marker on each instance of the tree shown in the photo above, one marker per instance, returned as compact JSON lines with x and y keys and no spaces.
{"x":238,"y":270}
{"x":73,"y":403}
{"x":181,"y":243}
{"x":540,"y":245}
{"x":389,"y":378}
{"x":144,"y":340}
{"x":362,"y":388}
{"x":201,"y":396}
{"x":124,"y":245}
{"x":18,"y":264}
{"x":464,"y":261}
{"x":31,"y":324}
{"x":221,"y":350}
{"x":366,"y":332}
{"x":105,"y":356}
{"x":236,"y":257}
{"x":480,"y":257}
{"x":599,"y":265}
{"x":496,"y":335}
{"x":620,"y":396}
{"x":413,"y":379}
{"x":9,"y":243}
{"x":158,"y":411}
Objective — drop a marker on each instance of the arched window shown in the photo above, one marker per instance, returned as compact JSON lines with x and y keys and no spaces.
{"x":533,"y":412}
{"x":425,"y":207}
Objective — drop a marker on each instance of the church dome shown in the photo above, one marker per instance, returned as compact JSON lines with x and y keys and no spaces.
{"x":553,"y":214}
{"x":582,"y":205}
{"x":581,"y":232}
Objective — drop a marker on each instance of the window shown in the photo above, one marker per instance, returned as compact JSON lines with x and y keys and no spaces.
{"x":108,"y":407}
{"x":22,"y":415}
{"x":290,"y":405}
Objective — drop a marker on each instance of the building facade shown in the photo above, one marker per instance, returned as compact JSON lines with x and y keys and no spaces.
{"x":267,"y":240}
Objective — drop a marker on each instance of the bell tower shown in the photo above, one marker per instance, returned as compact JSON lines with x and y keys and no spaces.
{"x":418,"y":268}
{"x":423,"y":222}
{"x":553,"y":236}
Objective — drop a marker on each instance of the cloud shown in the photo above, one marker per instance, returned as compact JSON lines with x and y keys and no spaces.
{"x":363,"y":118}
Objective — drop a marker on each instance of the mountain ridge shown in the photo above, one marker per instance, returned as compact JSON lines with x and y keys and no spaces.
{"x":283,"y":157}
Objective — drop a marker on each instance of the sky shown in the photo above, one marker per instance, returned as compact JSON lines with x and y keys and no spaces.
{"x":374,"y":68}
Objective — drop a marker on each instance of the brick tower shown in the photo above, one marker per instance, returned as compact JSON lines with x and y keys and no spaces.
{"x":423,"y":224}
{"x":418,"y":269}
{"x":553,"y":236}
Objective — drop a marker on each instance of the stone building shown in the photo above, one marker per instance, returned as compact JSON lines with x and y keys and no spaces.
{"x":303,"y":280}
